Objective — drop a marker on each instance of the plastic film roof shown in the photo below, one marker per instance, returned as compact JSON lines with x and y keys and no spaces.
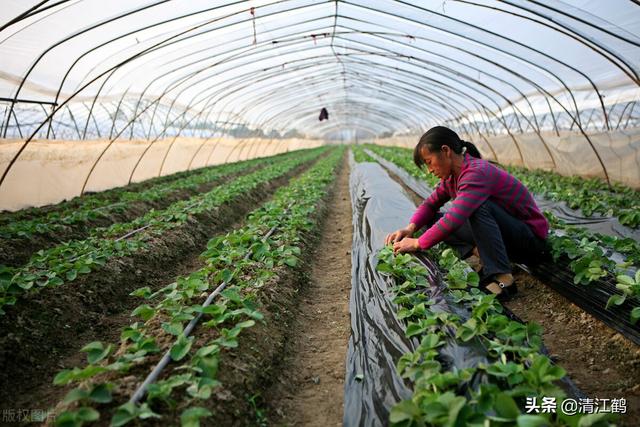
{"x":81,"y":69}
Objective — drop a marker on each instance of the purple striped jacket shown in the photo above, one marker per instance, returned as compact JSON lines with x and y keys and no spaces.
{"x":478,"y":181}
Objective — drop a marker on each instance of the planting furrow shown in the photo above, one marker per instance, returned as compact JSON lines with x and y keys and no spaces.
{"x":231,"y":350}
{"x":45,"y":326}
{"x":20,"y":239}
{"x":65,"y":262}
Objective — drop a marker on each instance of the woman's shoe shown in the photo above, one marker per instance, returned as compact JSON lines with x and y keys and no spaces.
{"x":503,"y":286}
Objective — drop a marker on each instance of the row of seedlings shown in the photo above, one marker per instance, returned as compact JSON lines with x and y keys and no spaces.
{"x":238,"y":267}
{"x":65,"y":262}
{"x":590,"y":195}
{"x":360,"y":155}
{"x":506,"y":379}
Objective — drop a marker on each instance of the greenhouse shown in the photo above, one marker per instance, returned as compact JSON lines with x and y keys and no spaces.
{"x":315,"y":213}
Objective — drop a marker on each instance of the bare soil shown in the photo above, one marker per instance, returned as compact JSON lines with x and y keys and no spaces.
{"x":310,"y":389}
{"x":43,"y":332}
{"x":261,"y":362}
{"x":599,"y":360}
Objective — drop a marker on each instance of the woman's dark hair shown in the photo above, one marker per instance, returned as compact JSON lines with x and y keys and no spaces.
{"x":438,"y":136}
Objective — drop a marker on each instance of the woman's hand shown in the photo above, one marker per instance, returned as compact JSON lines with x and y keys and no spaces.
{"x":406,"y":245}
{"x":398,"y":235}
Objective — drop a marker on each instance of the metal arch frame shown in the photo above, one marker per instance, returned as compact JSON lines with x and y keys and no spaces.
{"x":534,"y":127}
{"x":323,"y":18}
{"x":95,"y":48}
{"x":274,"y":67}
{"x":163,"y":45}
{"x":568,"y":31}
{"x":336,"y":4}
{"x":593,"y":85}
{"x":33,"y":11}
{"x":516,"y":116}
{"x":72,"y":36}
{"x":560,"y":12}
{"x":336,"y":55}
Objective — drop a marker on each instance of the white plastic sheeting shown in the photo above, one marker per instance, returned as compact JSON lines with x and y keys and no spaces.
{"x":52,"y":171}
{"x":155,"y":69}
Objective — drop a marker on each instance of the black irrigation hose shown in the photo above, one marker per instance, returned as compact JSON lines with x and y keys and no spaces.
{"x":591,"y":298}
{"x":166,"y":359}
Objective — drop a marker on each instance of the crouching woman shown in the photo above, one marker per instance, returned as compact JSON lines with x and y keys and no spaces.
{"x":492,"y":215}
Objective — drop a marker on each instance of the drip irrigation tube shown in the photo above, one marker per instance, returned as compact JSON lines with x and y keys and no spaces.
{"x":590,"y":298}
{"x":166,"y":359}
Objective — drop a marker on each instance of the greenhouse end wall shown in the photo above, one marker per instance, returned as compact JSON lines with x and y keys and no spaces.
{"x":570,"y":151}
{"x":50,"y":171}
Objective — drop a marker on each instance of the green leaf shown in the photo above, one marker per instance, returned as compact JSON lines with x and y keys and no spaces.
{"x":74,"y":395}
{"x":291,"y":261}
{"x":96,"y":351}
{"x":145,"y":412}
{"x":404,"y":411}
{"x":142,"y":292}
{"x":635,"y":315}
{"x":71,"y":275}
{"x":191,"y":417}
{"x":101,"y":393}
{"x":124,"y":414}
{"x":144,"y":311}
{"x":173,"y":328}
{"x":245,"y":324}
{"x":55,"y":281}
{"x":414,"y":329}
{"x":625,"y":280}
{"x":532,"y":421}
{"x":430,"y":341}
{"x":86,"y":414}
{"x":506,"y":407}
{"x":615,"y":299}
{"x":181,"y":347}
{"x":68,"y":375}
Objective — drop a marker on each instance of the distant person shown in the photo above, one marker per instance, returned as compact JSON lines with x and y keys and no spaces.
{"x":492,"y":216}
{"x":324,"y":114}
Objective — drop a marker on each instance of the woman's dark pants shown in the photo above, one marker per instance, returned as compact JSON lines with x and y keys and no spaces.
{"x":500,"y":238}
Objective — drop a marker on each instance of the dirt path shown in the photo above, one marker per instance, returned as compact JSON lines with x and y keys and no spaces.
{"x":310,"y":390}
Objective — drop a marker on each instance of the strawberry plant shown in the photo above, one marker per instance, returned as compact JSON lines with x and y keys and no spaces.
{"x":63,"y":263}
{"x":444,"y":396}
{"x":164,"y":313}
